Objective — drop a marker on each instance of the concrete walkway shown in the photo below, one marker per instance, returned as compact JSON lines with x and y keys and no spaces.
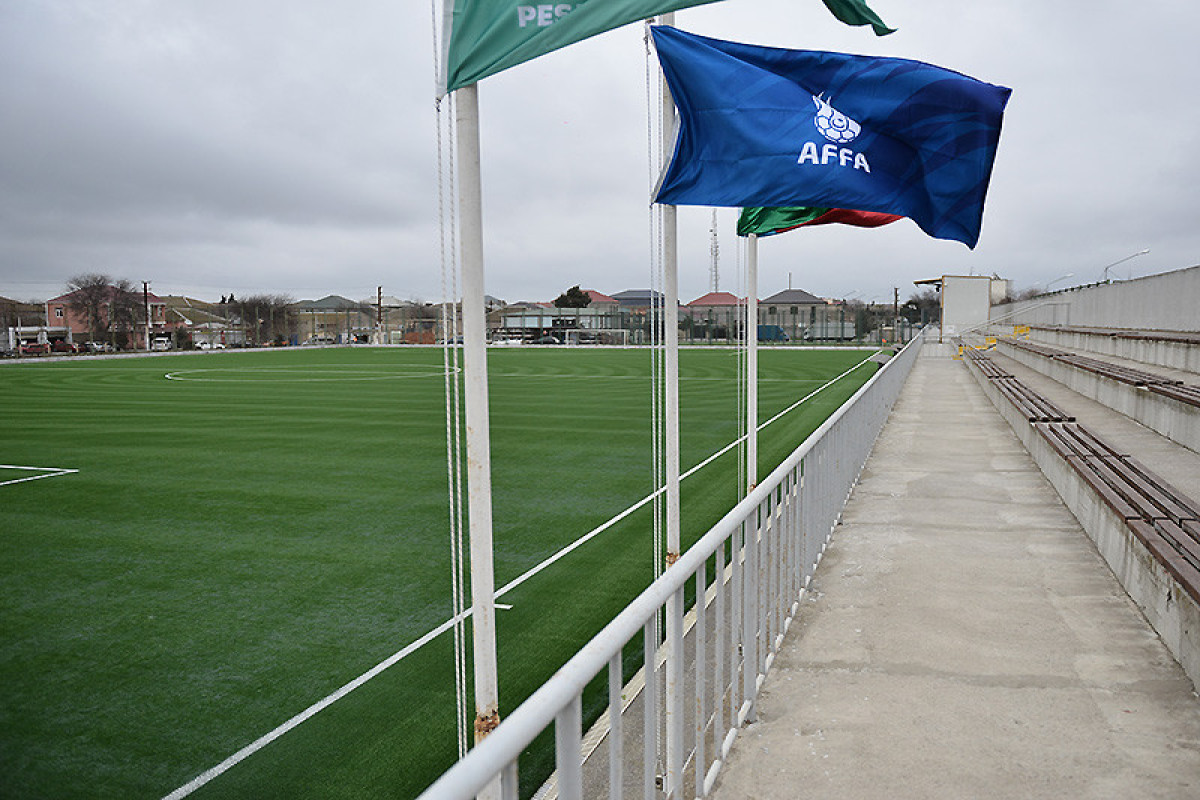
{"x":964,"y":638}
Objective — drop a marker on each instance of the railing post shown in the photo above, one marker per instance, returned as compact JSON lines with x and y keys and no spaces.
{"x":650,"y":712}
{"x":674,"y":701}
{"x":616,"y":744}
{"x":721,"y":652}
{"x":749,"y":617}
{"x":568,"y":753}
{"x":700,"y":665}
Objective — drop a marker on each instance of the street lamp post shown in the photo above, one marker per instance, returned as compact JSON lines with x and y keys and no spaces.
{"x":1104,"y":276}
{"x":1061,"y":278}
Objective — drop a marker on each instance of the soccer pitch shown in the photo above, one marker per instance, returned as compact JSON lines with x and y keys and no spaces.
{"x":195,"y":548}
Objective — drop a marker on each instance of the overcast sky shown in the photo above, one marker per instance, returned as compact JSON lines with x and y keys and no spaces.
{"x":211,"y":146}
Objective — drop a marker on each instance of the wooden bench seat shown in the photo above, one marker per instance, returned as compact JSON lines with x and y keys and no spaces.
{"x":1164,"y":519}
{"x":1035,"y":407}
{"x":1181,"y":392}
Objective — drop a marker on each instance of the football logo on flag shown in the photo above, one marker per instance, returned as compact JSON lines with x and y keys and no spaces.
{"x":833,"y":124}
{"x":838,"y":129}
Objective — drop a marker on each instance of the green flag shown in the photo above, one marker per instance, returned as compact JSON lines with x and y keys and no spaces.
{"x":853,"y":12}
{"x":483,"y":37}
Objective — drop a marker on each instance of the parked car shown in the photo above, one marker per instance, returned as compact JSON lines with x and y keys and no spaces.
{"x":35,"y":348}
{"x":772,"y":333}
{"x":64,"y":347}
{"x":547,"y":340}
{"x":161,"y":343}
{"x":99,"y":347}
{"x":210,"y":346}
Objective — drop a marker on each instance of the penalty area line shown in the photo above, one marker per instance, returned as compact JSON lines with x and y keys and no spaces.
{"x":46,"y":472}
{"x":261,"y":742}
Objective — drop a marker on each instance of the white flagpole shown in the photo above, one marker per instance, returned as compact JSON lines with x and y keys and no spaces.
{"x":750,"y":616}
{"x":475,"y":394}
{"x":674,"y":662}
{"x":751,"y":362}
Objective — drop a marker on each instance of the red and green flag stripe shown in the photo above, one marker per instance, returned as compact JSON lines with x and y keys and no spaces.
{"x":770,"y":221}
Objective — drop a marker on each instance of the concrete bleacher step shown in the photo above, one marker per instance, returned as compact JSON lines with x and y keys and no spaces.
{"x":1171,"y":349}
{"x":1165,"y":403}
{"x":1146,"y":527}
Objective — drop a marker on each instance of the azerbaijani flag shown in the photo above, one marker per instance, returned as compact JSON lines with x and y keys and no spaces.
{"x":483,"y":37}
{"x":770,"y":221}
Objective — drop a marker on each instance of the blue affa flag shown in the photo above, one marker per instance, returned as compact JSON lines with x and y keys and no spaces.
{"x":761,"y":126}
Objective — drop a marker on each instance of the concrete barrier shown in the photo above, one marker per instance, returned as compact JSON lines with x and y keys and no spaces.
{"x":1156,"y":302}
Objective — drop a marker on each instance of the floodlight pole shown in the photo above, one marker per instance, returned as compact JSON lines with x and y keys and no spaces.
{"x":475,"y":394}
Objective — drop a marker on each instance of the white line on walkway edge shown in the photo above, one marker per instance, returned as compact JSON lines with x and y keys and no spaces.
{"x":320,"y":705}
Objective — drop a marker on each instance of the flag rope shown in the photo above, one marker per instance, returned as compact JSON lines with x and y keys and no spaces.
{"x":448,"y":236}
{"x":655,"y":321}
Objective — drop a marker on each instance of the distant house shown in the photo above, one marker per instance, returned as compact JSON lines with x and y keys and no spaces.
{"x":793,"y":310}
{"x":60,"y":314}
{"x":714,"y":316}
{"x":21,"y":323}
{"x":601,"y":300}
{"x":638,"y":299}
{"x":397,"y":321}
{"x":334,"y":319}
{"x":14,"y":312}
{"x":205,"y":322}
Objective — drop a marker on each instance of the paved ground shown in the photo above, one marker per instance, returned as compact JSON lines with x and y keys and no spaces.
{"x":964,"y":639}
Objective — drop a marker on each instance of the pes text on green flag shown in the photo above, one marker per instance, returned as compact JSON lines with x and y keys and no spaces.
{"x":483,"y":37}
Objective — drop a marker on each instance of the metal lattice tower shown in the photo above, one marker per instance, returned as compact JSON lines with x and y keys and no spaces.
{"x":714,"y":251}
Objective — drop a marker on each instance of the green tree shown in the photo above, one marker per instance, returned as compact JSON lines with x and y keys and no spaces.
{"x":573,"y":298}
{"x":922,"y":307}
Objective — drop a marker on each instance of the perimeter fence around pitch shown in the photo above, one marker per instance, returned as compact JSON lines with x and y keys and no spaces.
{"x":672,"y":730}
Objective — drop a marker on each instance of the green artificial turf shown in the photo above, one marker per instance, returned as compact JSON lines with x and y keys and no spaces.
{"x":246,"y":532}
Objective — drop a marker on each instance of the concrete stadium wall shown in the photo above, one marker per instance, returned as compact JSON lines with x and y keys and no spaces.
{"x":1167,"y":301}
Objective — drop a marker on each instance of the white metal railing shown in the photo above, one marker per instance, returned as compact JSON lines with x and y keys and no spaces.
{"x":750,"y":569}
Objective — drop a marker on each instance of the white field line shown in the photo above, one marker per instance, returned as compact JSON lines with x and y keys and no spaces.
{"x":306,"y":714}
{"x":47,"y":472}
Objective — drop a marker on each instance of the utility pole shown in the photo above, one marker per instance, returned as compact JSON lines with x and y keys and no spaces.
{"x":379,"y":315}
{"x":146,"y":305}
{"x":896,"y":314}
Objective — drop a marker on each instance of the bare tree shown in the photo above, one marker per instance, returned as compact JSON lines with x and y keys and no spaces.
{"x":89,"y":301}
{"x":126,"y":310}
{"x":265,"y":317}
